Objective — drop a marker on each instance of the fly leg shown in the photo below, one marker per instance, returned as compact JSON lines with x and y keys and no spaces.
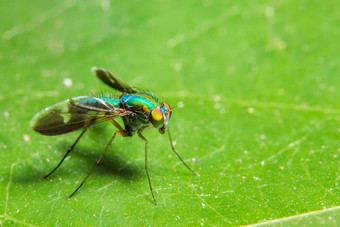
{"x":146,"y":161}
{"x":67,"y":153}
{"x":121,"y":133}
{"x":173,"y":149}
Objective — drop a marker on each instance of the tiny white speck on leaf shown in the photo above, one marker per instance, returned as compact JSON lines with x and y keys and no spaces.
{"x":26,"y":138}
{"x":256,"y":178}
{"x":178,"y":66}
{"x":67,"y":82}
{"x":217,"y":98}
{"x":269,"y":12}
{"x":251,"y":110}
{"x":180,"y":104}
{"x":106,"y":5}
{"x":6,"y":115}
{"x":277,"y":112}
{"x":203,"y":205}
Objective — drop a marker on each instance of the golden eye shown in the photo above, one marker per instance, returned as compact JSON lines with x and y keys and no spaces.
{"x":156,"y":118}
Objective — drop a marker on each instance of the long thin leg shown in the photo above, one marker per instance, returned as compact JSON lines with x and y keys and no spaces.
{"x":116,"y":124}
{"x":173,"y":148}
{"x":146,"y":162}
{"x":67,"y":153}
{"x":122,"y":133}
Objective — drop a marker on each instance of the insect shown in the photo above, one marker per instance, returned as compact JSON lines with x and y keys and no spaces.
{"x":139,"y":111}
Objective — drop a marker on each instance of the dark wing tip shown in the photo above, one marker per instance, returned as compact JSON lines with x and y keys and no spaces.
{"x":98,"y":71}
{"x":112,"y":80}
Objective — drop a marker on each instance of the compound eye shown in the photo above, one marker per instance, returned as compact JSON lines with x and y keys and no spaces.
{"x":168,"y":109}
{"x":156,"y":118}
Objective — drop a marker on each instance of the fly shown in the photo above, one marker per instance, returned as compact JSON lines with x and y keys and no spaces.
{"x":138,"y":110}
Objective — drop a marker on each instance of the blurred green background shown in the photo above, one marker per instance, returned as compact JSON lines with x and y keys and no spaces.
{"x":261,"y":117}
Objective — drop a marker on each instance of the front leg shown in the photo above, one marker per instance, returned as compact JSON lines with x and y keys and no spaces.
{"x":146,"y":160}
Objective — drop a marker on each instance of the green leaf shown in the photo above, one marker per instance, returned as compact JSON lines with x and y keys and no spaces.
{"x":260,"y":122}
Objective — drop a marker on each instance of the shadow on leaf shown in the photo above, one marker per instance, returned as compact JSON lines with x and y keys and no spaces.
{"x":111,"y":164}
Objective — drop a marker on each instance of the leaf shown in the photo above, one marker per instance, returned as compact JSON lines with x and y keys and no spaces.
{"x":260,"y":121}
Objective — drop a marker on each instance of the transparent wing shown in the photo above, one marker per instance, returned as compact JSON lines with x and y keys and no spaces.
{"x":113,"y":80}
{"x":74,"y":114}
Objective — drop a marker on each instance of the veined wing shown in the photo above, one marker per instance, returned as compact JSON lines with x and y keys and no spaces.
{"x":113,"y":80}
{"x":74,"y":114}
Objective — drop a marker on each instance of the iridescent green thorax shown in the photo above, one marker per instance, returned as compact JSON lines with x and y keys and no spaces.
{"x":141,"y":104}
